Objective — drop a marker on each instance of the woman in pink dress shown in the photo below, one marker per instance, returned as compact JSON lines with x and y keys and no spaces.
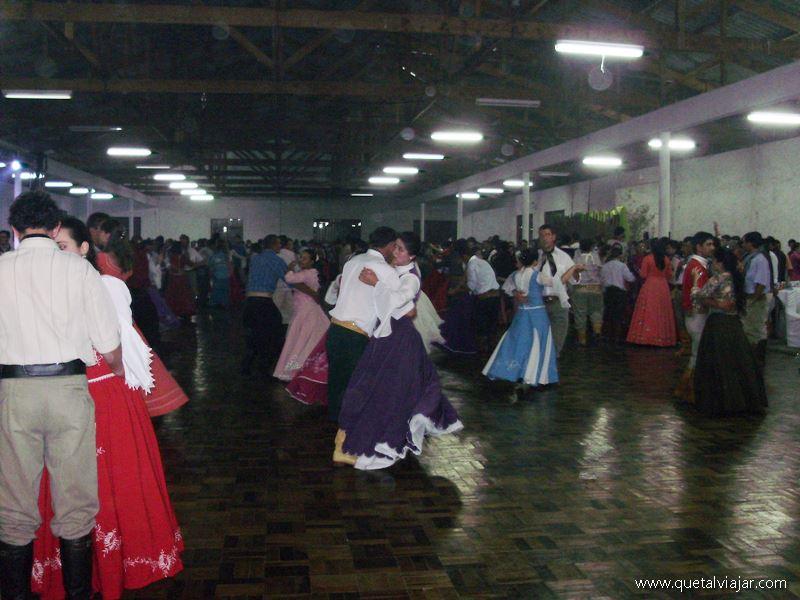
{"x":653,"y":321}
{"x":794,"y":260}
{"x":309,"y":322}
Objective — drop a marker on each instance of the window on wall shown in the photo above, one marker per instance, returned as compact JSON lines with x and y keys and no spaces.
{"x":228,"y":229}
{"x":327,"y":230}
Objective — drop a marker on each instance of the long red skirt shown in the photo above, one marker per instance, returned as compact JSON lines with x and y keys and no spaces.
{"x":167,"y":395}
{"x":653,"y":320}
{"x":137,"y":538}
{"x":310,"y":383}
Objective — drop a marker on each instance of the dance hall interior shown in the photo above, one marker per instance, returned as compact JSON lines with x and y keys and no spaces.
{"x":411,"y":299}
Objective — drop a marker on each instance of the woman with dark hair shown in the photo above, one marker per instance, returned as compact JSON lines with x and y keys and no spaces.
{"x":727,"y":378}
{"x":309,"y":322}
{"x":653,"y":321}
{"x":136,"y":538}
{"x":526,"y":354}
{"x":179,"y":294}
{"x":394,"y":398}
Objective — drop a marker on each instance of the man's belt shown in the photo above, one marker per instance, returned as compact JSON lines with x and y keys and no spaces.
{"x":259,"y":294}
{"x":488,"y":294}
{"x":550,"y":299}
{"x":73,"y":367}
{"x":349,"y":325}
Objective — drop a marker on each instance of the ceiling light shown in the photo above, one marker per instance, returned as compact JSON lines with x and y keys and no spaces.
{"x":553,"y":174}
{"x":202,"y":197}
{"x":16,"y":165}
{"x":490,"y":190}
{"x":101,"y":196}
{"x":193,"y":192}
{"x":422,"y":156}
{"x":610,"y":162}
{"x":27,"y":175}
{"x":182,"y":185}
{"x":58,"y":184}
{"x":674,"y":144}
{"x":468,"y":195}
{"x":362,"y":195}
{"x":774,"y":118}
{"x":127,"y":151}
{"x":152,"y":166}
{"x":599,"y":49}
{"x":3,"y":165}
{"x":169,"y":177}
{"x":515,"y":183}
{"x":384,"y":180}
{"x":79,"y":190}
{"x":463,"y":137}
{"x":93,"y":128}
{"x":38,"y":94}
{"x":508,"y":102}
{"x":400,"y":170}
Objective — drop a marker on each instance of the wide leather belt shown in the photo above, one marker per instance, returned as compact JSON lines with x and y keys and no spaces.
{"x":73,"y":367}
{"x":349,"y":325}
{"x":259,"y":294}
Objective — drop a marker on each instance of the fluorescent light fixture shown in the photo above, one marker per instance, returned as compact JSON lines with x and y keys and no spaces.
{"x":599,"y":49}
{"x":16,"y":165}
{"x":58,"y":184}
{"x":38,"y":94}
{"x":515,"y":183}
{"x":553,"y":174}
{"x":400,"y":170}
{"x":26,"y":175}
{"x":79,"y":191}
{"x":153,"y":166}
{"x":360,"y":195}
{"x":384,"y":180}
{"x":128,"y":151}
{"x":610,"y":162}
{"x":674,"y":144}
{"x":193,"y":192}
{"x":468,"y":195}
{"x":422,"y":156}
{"x":93,"y":128}
{"x":183,"y":185}
{"x":3,"y":165}
{"x":490,"y":190}
{"x":767,"y":117}
{"x":201,"y":197}
{"x":101,"y":196}
{"x":462,"y":137}
{"x":169,"y":177}
{"x":508,"y":102}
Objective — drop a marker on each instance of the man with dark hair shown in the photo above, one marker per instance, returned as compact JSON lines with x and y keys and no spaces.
{"x":354,"y":319}
{"x":703,"y":245}
{"x":758,"y":280}
{"x":261,"y":318}
{"x":5,"y":241}
{"x":50,"y":328}
{"x":555,"y":263}
{"x":95,"y":224}
{"x":481,"y":281}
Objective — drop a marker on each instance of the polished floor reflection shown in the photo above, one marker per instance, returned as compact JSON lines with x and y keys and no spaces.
{"x":575,"y":492}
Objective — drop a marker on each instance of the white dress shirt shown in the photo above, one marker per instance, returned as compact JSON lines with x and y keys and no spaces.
{"x":616,"y":273}
{"x":563,"y":264}
{"x":394,"y":304}
{"x":356,"y":301}
{"x":480,"y":276}
{"x":55,"y":307}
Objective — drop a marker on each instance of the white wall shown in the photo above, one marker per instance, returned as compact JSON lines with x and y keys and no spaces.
{"x":753,"y":188}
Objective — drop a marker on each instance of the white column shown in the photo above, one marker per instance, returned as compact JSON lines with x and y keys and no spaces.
{"x":422,"y":222}
{"x":460,"y":218}
{"x":664,"y":189}
{"x":526,"y":206}
{"x":17,"y":185}
{"x":88,"y":207}
{"x":130,"y":218}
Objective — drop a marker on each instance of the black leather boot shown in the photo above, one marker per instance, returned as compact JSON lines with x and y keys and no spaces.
{"x":76,"y":562}
{"x":16,"y":563}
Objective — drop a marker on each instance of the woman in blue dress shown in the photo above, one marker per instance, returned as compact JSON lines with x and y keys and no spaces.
{"x":526,"y":355}
{"x":219,"y":266}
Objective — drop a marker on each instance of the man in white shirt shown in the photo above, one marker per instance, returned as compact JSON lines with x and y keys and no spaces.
{"x":482,"y":283}
{"x":355,"y":317}
{"x":554,"y":262}
{"x":58,"y":314}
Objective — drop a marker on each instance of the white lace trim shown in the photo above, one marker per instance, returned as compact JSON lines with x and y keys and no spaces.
{"x":101,"y":378}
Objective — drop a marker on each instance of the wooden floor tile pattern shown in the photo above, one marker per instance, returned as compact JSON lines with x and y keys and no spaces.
{"x":572,"y":493}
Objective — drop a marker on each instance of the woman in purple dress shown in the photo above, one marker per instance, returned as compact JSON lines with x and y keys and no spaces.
{"x":394,"y":397}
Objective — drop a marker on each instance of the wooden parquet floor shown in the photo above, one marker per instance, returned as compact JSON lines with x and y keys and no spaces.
{"x":573,"y":493}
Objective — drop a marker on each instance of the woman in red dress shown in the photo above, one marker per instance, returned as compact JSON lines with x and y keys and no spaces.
{"x":653,"y":321}
{"x":137,"y":538}
{"x":179,"y":294}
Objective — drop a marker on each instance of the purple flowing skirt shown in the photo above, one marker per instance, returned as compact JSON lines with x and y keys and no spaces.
{"x":458,"y":329}
{"x":393,"y":400}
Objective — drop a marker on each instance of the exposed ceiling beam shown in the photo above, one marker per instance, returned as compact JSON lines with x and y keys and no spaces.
{"x":168,"y":14}
{"x":252,"y":48}
{"x":773,"y":15}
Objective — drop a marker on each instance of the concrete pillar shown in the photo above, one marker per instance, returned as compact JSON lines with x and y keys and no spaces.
{"x":526,"y":206}
{"x":130,"y":218}
{"x":422,"y":222}
{"x":460,"y":218}
{"x":664,"y":187}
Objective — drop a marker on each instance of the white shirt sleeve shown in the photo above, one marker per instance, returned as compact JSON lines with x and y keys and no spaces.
{"x":395,"y":303}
